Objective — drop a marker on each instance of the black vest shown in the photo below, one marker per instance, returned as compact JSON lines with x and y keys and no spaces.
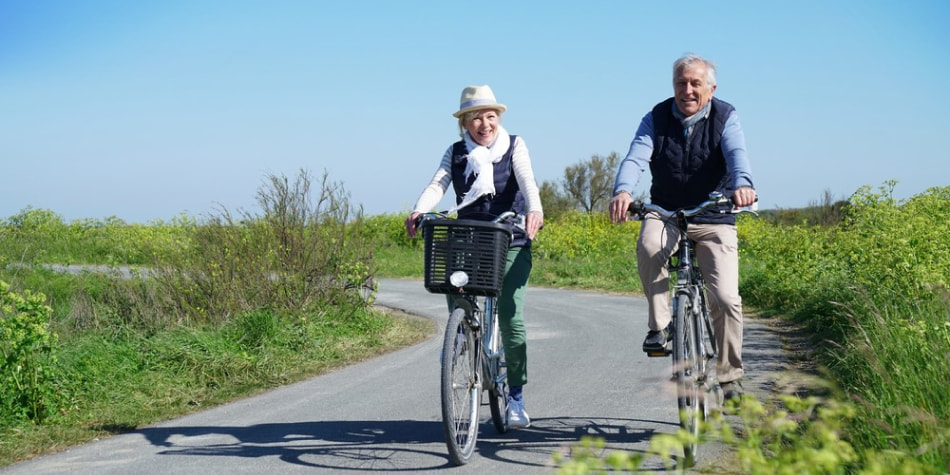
{"x":685,"y":170}
{"x":507,"y":195}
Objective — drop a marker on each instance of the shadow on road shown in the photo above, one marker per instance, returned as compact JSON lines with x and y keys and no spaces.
{"x":391,"y":445}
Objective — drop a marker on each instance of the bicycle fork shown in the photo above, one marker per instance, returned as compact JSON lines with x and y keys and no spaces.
{"x":491,"y":341}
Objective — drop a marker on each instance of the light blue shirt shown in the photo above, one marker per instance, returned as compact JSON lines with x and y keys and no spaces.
{"x":641,"y":149}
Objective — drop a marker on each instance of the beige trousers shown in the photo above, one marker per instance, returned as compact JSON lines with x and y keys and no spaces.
{"x":717,"y":250}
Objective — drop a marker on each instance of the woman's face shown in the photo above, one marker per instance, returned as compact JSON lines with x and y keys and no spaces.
{"x":483,"y":126}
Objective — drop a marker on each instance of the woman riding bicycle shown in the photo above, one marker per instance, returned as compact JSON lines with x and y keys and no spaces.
{"x":491,"y":173}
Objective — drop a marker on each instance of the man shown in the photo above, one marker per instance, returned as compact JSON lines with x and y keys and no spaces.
{"x":694,"y":145}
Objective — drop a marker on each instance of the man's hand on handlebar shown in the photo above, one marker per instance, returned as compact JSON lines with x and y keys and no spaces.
{"x":743,"y":196}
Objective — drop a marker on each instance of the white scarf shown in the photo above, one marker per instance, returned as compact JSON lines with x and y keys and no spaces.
{"x":481,"y":160}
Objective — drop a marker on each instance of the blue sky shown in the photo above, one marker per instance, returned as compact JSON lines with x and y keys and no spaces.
{"x":144,"y":110}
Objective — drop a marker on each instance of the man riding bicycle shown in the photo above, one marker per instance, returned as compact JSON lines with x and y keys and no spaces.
{"x":693,"y":145}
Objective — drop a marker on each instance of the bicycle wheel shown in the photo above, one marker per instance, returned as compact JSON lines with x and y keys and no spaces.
{"x":705,"y":346}
{"x":708,"y":351}
{"x":707,"y":335}
{"x":688,"y":392}
{"x":461,"y":389}
{"x":498,"y":394}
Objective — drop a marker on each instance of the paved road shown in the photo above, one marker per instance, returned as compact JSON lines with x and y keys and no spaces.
{"x":587,"y":377}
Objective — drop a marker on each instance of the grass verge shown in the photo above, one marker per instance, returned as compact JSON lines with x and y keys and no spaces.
{"x":122,"y":380}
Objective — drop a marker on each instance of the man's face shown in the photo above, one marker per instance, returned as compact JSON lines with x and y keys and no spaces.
{"x":691,"y":90}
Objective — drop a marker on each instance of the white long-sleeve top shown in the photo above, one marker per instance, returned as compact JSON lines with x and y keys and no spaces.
{"x":520,"y":163}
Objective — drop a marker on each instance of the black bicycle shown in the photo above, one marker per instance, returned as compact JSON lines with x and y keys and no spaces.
{"x":466,"y":259}
{"x":694,"y":342}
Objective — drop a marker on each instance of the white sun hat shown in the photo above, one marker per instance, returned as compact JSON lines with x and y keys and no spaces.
{"x":477,"y":98}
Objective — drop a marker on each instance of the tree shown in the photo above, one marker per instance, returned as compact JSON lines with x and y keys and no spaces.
{"x":554,"y":201}
{"x":589,"y":184}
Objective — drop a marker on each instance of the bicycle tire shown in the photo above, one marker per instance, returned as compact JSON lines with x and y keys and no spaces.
{"x":705,"y":351}
{"x":706,"y":334}
{"x":461,"y":389}
{"x":688,"y":393}
{"x":498,"y":394}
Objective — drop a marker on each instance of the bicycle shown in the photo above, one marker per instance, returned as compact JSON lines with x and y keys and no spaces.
{"x":467,"y":258}
{"x":694,"y":342}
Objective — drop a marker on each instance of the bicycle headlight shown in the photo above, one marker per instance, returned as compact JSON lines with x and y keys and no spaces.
{"x":458,"y":278}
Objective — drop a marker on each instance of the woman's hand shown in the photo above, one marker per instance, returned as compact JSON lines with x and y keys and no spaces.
{"x":533,"y":223}
{"x":618,"y":207}
{"x":411,"y":224}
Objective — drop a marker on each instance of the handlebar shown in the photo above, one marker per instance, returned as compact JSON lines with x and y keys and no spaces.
{"x":716,"y":199}
{"x":508,"y":217}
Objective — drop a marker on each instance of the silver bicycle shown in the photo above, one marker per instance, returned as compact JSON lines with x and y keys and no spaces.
{"x":465,"y":259}
{"x":694,"y":341}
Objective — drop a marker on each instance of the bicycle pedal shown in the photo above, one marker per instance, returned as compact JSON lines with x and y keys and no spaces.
{"x":658,"y":354}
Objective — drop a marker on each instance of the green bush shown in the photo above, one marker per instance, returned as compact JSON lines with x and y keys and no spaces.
{"x":298,"y":254}
{"x":874,"y":288}
{"x":390,"y":230}
{"x":794,"y":436}
{"x":27,"y":381}
{"x":41,"y":237}
{"x":582,"y":235}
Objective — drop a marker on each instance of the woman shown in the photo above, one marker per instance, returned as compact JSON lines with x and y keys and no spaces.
{"x":491,"y":173}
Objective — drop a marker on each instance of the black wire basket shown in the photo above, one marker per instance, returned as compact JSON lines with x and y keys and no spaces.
{"x":478,"y":248}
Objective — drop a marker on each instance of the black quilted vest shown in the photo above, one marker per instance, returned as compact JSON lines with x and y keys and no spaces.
{"x":686,"y":169}
{"x":507,"y":195}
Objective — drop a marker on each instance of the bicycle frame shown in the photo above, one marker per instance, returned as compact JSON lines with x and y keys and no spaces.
{"x":689,"y":289}
{"x":483,"y":319}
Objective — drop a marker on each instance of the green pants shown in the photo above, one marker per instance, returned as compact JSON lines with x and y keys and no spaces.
{"x":511,"y":314}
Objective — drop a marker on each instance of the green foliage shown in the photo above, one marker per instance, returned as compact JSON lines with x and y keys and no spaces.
{"x":389,"y":230}
{"x":578,"y":234}
{"x":28,"y":388}
{"x":41,"y":236}
{"x":795,"y":436}
{"x":299,"y":254}
{"x":556,"y":203}
{"x":875,"y":287}
{"x":123,"y":378}
{"x":222,"y":307}
{"x":588,"y":456}
{"x":586,"y":251}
